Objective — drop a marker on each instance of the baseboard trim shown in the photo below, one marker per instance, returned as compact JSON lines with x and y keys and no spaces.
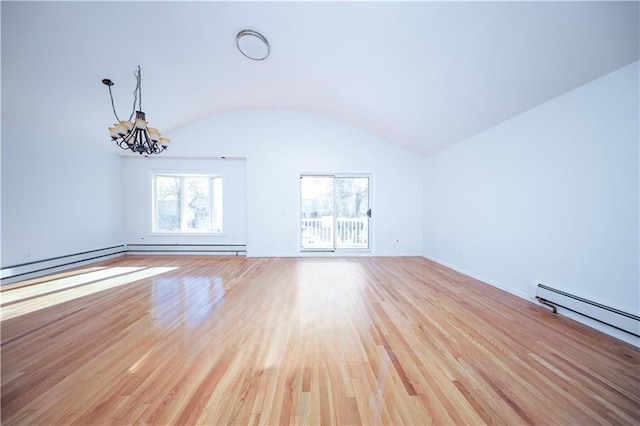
{"x":187,"y":249}
{"x":606,"y":329}
{"x":38,"y":268}
{"x":480,"y":278}
{"x":608,"y":315}
{"x":325,"y":254}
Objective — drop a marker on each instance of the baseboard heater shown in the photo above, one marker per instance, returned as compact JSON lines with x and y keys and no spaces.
{"x":607,"y":315}
{"x":204,"y":249}
{"x":38,"y":268}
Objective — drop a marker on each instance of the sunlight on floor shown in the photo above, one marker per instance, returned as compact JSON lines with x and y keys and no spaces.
{"x":21,"y":301}
{"x":21,"y":284}
{"x":54,"y":285}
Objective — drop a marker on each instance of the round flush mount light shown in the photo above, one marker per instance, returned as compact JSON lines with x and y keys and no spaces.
{"x":253,"y":45}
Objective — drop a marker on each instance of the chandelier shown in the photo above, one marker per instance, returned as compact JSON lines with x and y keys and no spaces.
{"x":135,"y":134}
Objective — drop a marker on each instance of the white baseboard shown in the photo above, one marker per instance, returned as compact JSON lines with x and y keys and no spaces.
{"x":38,"y":268}
{"x":611,"y":331}
{"x":188,"y":249}
{"x":481,"y":278}
{"x":312,"y":254}
{"x":332,"y":254}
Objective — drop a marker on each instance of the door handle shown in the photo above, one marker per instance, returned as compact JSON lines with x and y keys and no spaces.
{"x":369,"y":212}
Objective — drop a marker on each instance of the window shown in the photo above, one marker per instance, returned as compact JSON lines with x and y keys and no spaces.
{"x":187,"y":203}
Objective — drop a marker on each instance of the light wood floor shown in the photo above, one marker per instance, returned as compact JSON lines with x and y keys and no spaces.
{"x":211,"y":340}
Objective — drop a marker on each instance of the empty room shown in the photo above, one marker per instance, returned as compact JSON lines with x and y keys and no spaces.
{"x":376,"y":213}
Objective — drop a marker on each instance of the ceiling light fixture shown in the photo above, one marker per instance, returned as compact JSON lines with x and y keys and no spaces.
{"x":253,"y":45}
{"x":135,"y":135}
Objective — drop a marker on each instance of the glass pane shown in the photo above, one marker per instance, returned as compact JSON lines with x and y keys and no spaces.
{"x":197,"y":204}
{"x":352,"y":204}
{"x":167,"y":203}
{"x":317,"y":212}
{"x":188,"y":203}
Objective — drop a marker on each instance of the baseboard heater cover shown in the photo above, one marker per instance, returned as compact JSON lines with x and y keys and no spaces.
{"x":235,"y":249}
{"x":38,"y":268}
{"x":596,"y":311}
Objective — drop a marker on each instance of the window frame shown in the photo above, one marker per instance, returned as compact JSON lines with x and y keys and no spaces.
{"x":191,"y":232}
{"x":340,"y":251}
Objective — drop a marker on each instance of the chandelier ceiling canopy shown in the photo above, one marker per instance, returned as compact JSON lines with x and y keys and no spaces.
{"x":135,"y":135}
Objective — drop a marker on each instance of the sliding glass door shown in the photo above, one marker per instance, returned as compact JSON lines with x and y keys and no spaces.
{"x":335,"y":212}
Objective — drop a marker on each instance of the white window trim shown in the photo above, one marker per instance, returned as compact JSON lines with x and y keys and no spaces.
{"x":342,"y":251}
{"x":153,"y":203}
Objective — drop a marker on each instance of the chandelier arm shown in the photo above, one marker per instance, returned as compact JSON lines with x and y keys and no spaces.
{"x":141,"y":143}
{"x":122,"y":144}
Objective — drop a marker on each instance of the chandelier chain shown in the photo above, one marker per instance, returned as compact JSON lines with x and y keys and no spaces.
{"x":113,"y":106}
{"x":137,"y":93}
{"x":139,"y":78}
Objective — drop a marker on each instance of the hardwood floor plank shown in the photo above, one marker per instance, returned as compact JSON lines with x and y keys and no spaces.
{"x":235,"y":340}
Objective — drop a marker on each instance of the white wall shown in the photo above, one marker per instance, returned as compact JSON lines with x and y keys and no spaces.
{"x":279,"y":145}
{"x":62,"y":198}
{"x":58,"y":197}
{"x":550,"y":196}
{"x":136,"y":192}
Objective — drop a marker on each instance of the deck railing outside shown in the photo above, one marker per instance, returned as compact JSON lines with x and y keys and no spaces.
{"x":350,"y":232}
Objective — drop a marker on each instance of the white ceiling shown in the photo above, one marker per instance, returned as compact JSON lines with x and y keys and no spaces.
{"x":420,"y":75}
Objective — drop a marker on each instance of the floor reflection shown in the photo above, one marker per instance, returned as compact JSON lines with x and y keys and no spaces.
{"x":188,"y":299}
{"x":331,"y":293}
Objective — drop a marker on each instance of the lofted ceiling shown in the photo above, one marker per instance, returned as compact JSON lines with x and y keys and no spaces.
{"x":419,"y":75}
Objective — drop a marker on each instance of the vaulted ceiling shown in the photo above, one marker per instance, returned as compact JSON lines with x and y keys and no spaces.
{"x":420,"y":75}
